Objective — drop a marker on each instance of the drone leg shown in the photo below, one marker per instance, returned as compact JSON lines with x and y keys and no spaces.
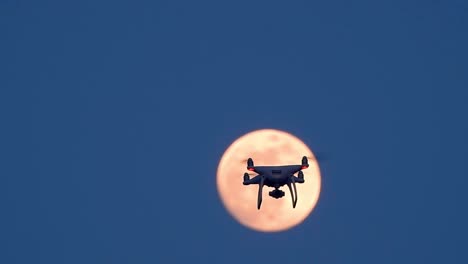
{"x":291,"y":192}
{"x":295,"y":191}
{"x":260,"y":188}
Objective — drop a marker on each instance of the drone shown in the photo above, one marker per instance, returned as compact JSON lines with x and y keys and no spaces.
{"x":276,"y":176}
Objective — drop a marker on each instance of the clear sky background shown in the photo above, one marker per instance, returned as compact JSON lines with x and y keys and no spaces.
{"x":115,"y":115}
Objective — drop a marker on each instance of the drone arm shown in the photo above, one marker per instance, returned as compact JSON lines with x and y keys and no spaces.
{"x":297,"y":179}
{"x":254,"y":180}
{"x":297,"y":168}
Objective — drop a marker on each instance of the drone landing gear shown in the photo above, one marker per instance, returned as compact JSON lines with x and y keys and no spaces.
{"x":276,"y":193}
{"x":293,"y":194}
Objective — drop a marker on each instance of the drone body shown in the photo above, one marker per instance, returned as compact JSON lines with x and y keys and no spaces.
{"x":276,"y":176}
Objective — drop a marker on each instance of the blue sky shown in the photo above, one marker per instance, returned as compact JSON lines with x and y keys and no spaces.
{"x":115,"y":115}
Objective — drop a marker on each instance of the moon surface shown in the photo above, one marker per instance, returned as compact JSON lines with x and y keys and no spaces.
{"x":267,"y":147}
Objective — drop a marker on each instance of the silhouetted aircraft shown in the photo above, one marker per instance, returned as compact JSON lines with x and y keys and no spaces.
{"x":276,"y":176}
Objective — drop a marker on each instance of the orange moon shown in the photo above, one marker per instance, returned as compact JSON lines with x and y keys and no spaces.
{"x":267,"y":147}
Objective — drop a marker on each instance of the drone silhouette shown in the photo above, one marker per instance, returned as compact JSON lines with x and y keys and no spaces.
{"x":276,"y":176}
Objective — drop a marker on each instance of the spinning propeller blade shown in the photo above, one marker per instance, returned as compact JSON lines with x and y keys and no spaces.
{"x":319,"y":156}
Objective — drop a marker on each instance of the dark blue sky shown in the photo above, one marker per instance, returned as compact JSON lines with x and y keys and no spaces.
{"x":115,"y":115}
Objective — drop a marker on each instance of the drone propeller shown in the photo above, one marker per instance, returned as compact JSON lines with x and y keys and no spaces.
{"x":316,"y":158}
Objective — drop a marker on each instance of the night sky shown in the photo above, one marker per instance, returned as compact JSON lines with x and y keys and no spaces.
{"x":114,"y":115}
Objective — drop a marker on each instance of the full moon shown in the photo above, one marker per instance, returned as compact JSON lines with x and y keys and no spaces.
{"x":267,"y":147}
